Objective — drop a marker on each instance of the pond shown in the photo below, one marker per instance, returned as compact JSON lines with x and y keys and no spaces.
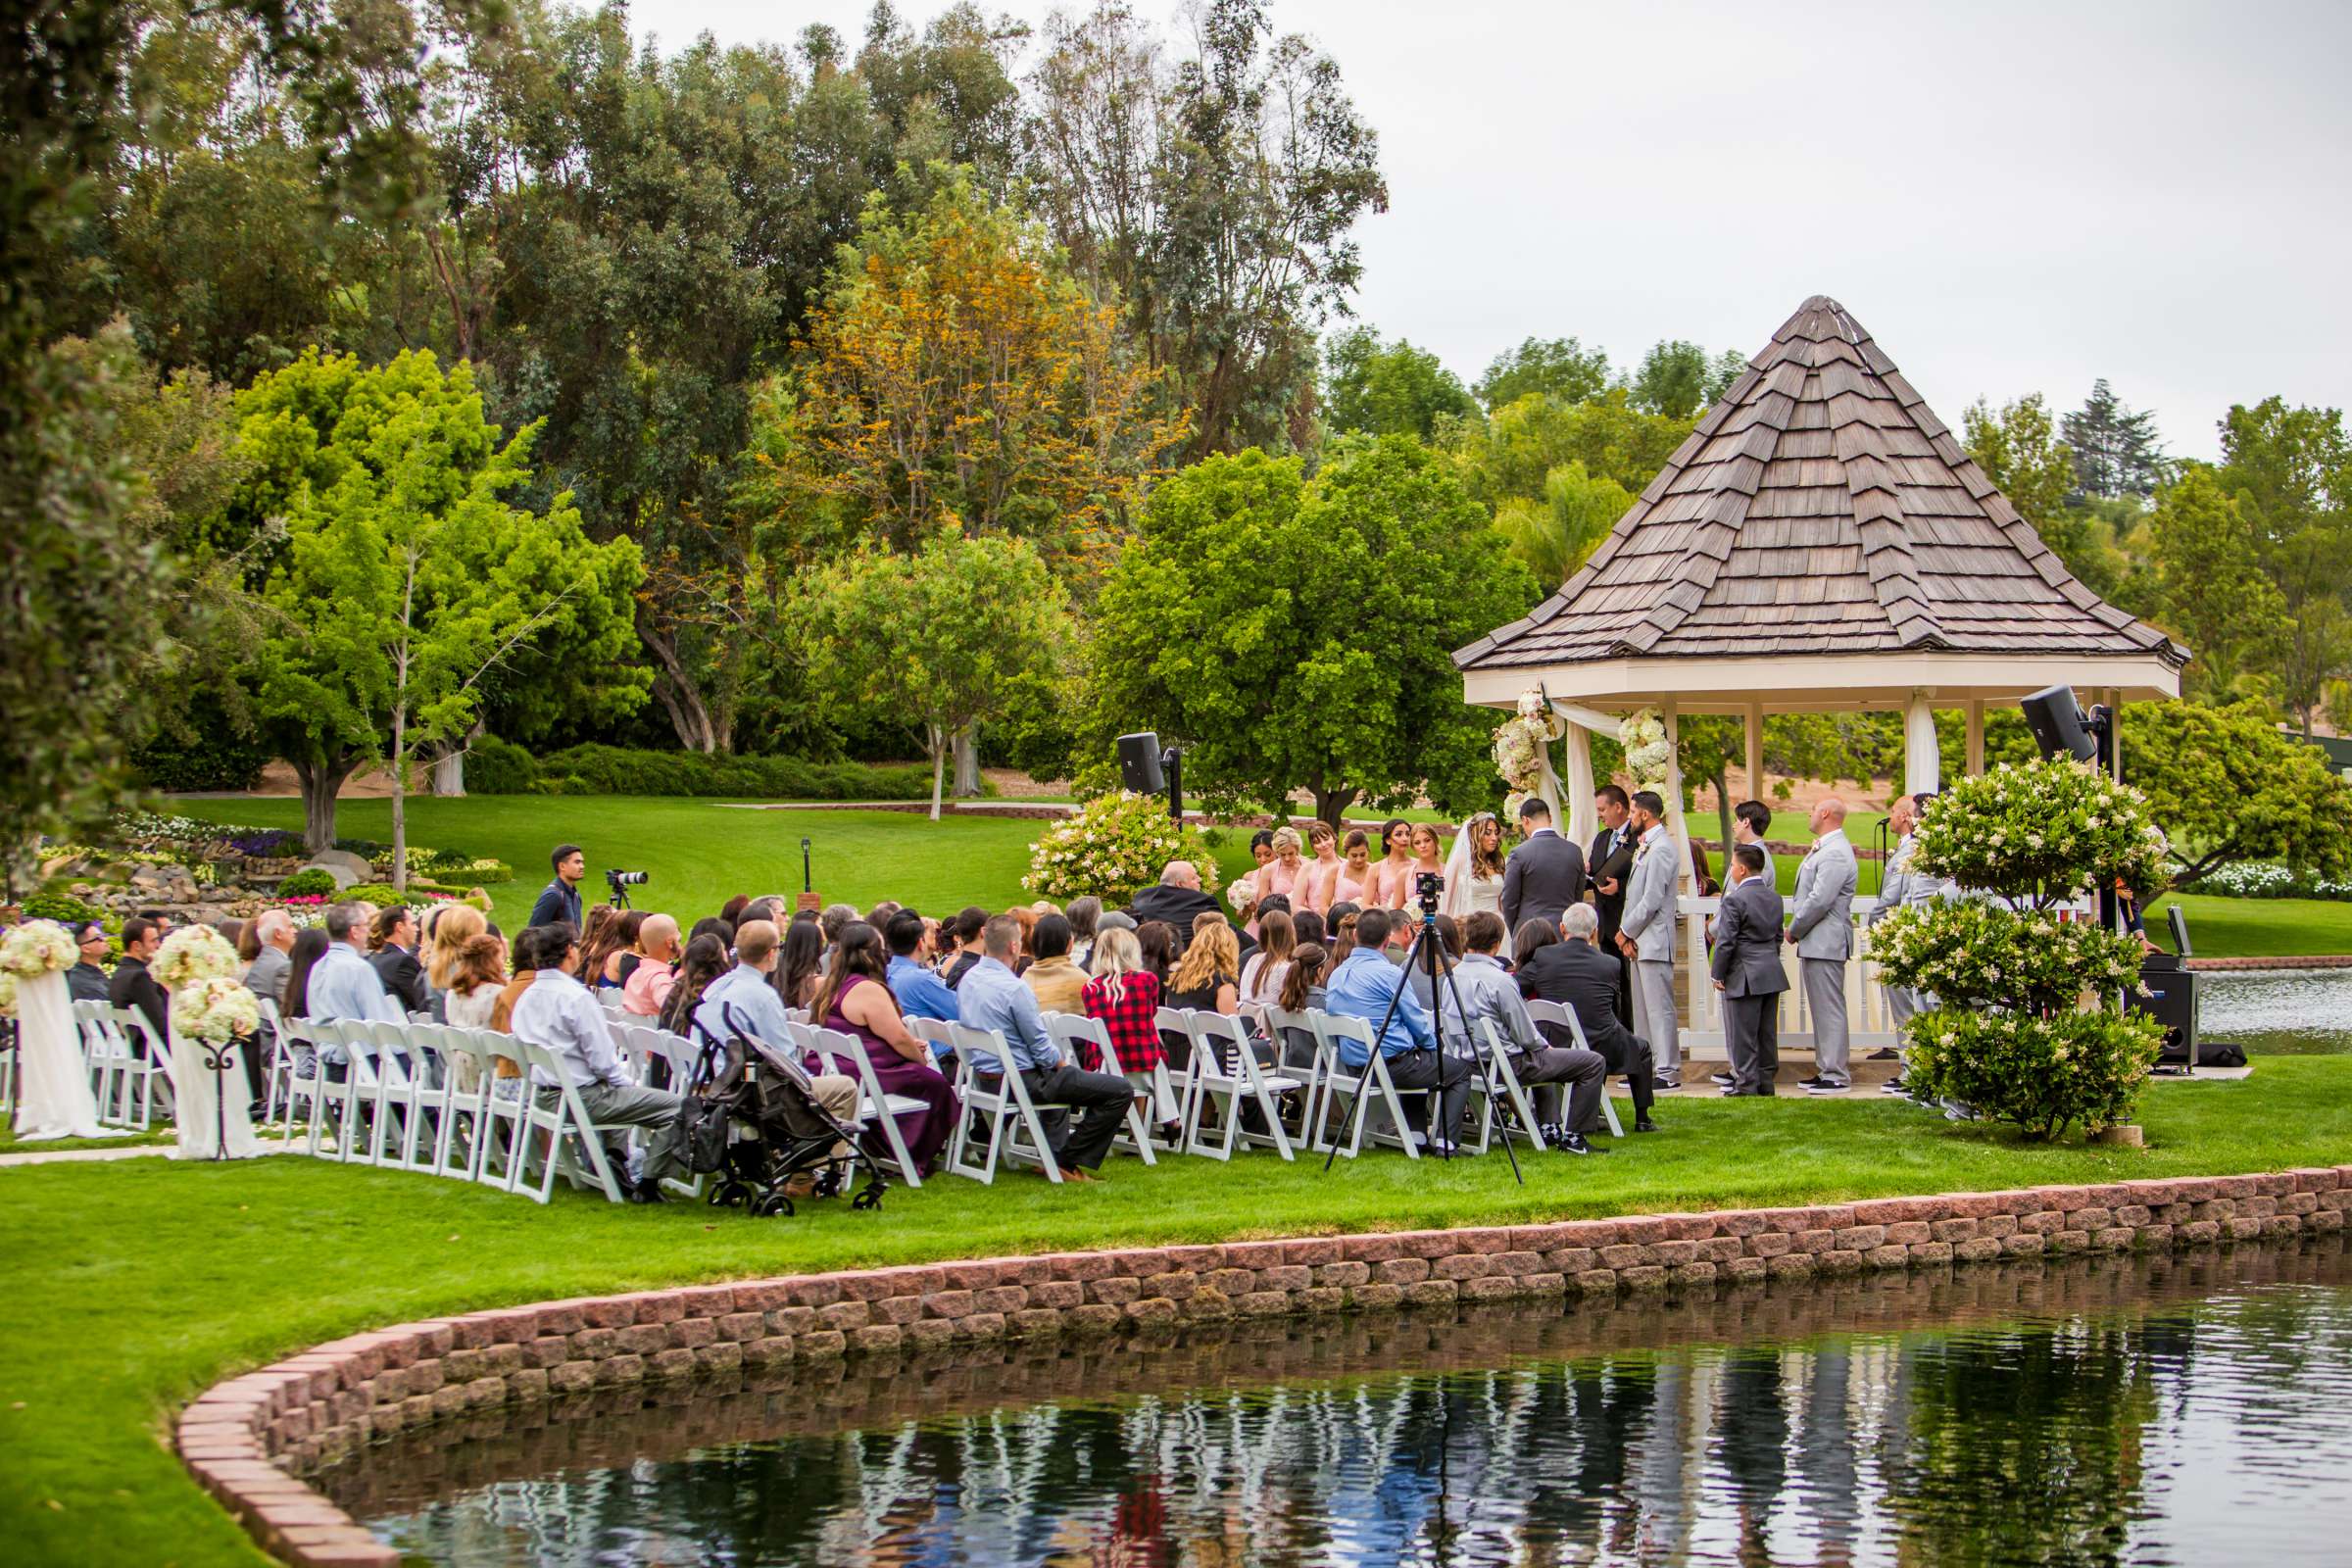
{"x":2151,"y":1411}
{"x":2276,"y":1012}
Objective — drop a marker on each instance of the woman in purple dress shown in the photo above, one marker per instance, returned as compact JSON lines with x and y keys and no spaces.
{"x":854,"y":997}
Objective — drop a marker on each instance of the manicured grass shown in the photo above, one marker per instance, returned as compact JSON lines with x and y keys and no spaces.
{"x":133,"y":1285}
{"x":702,"y":852}
{"x":2243,"y":928}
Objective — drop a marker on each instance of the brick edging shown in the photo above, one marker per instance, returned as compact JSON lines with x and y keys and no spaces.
{"x":247,"y":1441}
{"x":2314,"y":960}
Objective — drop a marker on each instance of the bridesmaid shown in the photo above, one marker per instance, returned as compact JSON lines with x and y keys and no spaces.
{"x":1283,"y":873}
{"x":1425,"y":859}
{"x":1317,"y":885}
{"x":1393,"y":877}
{"x":1354,"y":877}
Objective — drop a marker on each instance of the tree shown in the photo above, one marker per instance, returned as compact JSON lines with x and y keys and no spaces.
{"x":1219,"y":197}
{"x":2290,"y":474}
{"x":2020,"y":450}
{"x":2117,"y":451}
{"x":2226,"y":786}
{"x":408,"y":579}
{"x":1679,"y":381}
{"x":1556,"y":535}
{"x":1391,"y":388}
{"x":2212,"y":592}
{"x":1514,"y":452}
{"x":1297,"y":635}
{"x":1559,"y":368}
{"x":941,"y":635}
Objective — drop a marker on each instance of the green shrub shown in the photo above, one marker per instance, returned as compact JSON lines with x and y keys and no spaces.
{"x":594,"y":770}
{"x":314,"y":883}
{"x":63,"y":907}
{"x":1116,"y":844}
{"x":211,"y":755}
{"x":499,"y":768}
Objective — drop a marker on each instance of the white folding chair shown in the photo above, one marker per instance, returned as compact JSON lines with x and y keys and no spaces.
{"x":465,"y":1084}
{"x":1505,"y":1083}
{"x":845,"y":1054}
{"x":1006,"y":1109}
{"x":1293,"y":1036}
{"x":126,"y":1078}
{"x":1564,"y":1017}
{"x":427,"y":1103}
{"x":504,"y":1125}
{"x":1342,"y":1081}
{"x":1176,"y":1045}
{"x":1225,"y":1069}
{"x":566,"y":1124}
{"x":1070,"y":1028}
{"x":937,"y":1033}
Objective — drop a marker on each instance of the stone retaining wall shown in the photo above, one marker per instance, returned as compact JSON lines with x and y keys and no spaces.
{"x":249,"y":1440}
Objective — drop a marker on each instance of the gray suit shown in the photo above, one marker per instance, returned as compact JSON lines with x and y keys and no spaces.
{"x":1542,"y":878}
{"x":1823,"y":925}
{"x":1649,"y":920}
{"x":1747,"y":962}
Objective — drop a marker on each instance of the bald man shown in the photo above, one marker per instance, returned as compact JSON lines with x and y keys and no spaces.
{"x":1822,"y":928}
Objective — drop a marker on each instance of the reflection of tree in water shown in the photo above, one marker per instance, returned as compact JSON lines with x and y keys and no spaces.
{"x":2048,"y":1419}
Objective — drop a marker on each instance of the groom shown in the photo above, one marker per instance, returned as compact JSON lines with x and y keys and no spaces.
{"x":1545,"y":874}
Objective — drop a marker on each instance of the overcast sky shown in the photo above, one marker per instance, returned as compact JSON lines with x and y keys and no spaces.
{"x":2010,"y":197}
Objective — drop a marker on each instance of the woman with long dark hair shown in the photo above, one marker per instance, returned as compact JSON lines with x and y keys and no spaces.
{"x":1392,"y":881}
{"x":705,"y":960}
{"x":801,"y":964}
{"x":1158,"y":940}
{"x":854,"y":997}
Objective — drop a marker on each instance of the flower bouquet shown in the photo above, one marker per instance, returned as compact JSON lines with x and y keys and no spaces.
{"x":191,"y":954}
{"x":1647,"y":752}
{"x":35,"y":948}
{"x":215,"y":1008}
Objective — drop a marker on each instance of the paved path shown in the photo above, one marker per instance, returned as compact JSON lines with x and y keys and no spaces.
{"x":75,"y":1157}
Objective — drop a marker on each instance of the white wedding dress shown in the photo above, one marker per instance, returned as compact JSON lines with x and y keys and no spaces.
{"x":53,"y":1077}
{"x":204,"y":1114}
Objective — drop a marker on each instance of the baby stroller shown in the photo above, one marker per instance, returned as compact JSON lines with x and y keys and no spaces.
{"x":769,"y":1097}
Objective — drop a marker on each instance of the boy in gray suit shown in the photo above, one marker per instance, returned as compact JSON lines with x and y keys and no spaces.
{"x":1747,"y":971}
{"x":1645,"y":935}
{"x":1822,"y":928}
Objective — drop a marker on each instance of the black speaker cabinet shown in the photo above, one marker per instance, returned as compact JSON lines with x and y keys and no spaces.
{"x":2057,"y":722}
{"x":1138,"y":763}
{"x":2172,"y":1000}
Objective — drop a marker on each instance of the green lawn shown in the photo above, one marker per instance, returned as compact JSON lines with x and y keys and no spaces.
{"x":2241,"y":928}
{"x":132,"y":1286}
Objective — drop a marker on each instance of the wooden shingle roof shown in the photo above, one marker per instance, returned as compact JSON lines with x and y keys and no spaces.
{"x":1820,"y":507}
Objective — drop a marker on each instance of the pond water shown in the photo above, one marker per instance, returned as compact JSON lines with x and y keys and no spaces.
{"x":2279,"y":1012}
{"x":2155,"y":1411}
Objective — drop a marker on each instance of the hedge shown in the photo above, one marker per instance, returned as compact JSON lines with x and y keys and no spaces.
{"x":593,"y":769}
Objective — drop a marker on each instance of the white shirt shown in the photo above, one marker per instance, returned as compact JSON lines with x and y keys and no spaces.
{"x":557,"y":1014}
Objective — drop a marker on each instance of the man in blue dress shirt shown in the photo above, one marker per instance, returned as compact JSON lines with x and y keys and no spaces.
{"x":920,"y":992}
{"x":1363,"y":988}
{"x":993,"y":997}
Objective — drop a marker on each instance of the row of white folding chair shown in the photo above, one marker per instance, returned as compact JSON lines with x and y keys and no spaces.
{"x":1222,"y":1066}
{"x":1339,"y":1081}
{"x":1007,"y":1111}
{"x":845,"y":1055}
{"x":1564,"y":1017}
{"x":1069,"y":1030}
{"x":121,"y":1076}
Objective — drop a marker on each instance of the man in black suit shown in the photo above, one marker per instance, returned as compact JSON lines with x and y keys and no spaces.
{"x":132,"y":986}
{"x":395,"y":960}
{"x":1545,"y":874}
{"x":1578,"y":974}
{"x":1176,"y":899}
{"x":1747,"y":971}
{"x":1612,"y":863}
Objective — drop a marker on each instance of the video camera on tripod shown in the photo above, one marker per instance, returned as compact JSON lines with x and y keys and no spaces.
{"x":620,"y":882}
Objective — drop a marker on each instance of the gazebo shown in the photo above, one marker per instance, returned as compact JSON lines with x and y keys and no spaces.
{"x":1820,"y":543}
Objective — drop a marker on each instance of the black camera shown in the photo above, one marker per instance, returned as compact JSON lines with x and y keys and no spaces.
{"x":617,"y":880}
{"x":1427,"y":888}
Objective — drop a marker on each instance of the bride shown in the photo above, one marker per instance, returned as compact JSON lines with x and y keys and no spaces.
{"x":1474,"y":869}
{"x":53,"y":1090}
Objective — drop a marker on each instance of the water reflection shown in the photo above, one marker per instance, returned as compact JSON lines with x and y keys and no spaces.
{"x":2144,"y":1411}
{"x":2279,"y":1012}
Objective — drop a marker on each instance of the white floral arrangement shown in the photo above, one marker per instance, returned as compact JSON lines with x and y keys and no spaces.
{"x":1113,"y":845}
{"x":215,"y":1009}
{"x":191,"y":954}
{"x":1520,"y":747}
{"x":8,"y":995}
{"x":38,"y":947}
{"x":2040,"y":833}
{"x":1647,"y":751}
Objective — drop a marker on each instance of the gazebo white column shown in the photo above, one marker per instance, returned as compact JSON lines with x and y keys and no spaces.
{"x":1923,"y":768}
{"x":1755,"y":755}
{"x":1675,"y":825}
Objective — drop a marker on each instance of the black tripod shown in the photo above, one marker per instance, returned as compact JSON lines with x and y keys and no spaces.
{"x":1429,"y":952}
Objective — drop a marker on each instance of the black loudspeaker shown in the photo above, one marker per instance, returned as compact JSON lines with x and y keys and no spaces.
{"x":1138,"y":763}
{"x":2172,"y":1000}
{"x":2059,"y":724}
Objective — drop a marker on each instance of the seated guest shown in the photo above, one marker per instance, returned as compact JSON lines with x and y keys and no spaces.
{"x":344,"y":985}
{"x":1157,"y":944}
{"x":1578,"y":974}
{"x":1263,"y":972}
{"x":470,"y":985}
{"x":271,"y":934}
{"x":732,"y":911}
{"x":395,"y":958}
{"x":132,"y":986}
{"x":920,"y":992}
{"x":85,"y":981}
{"x":1176,"y":900}
{"x":1060,"y":984}
{"x":705,"y":959}
{"x":1479,"y":992}
{"x":559,"y":1016}
{"x":595,"y":937}
{"x":966,"y":935}
{"x":1207,"y":978}
{"x":1125,"y":996}
{"x":834,"y":917}
{"x":1416,"y":965}
{"x":1302,"y":993}
{"x":1084,"y":916}
{"x":803,"y":964}
{"x":454,"y":926}
{"x":1306,"y":930}
{"x":301,"y":961}
{"x":1025,"y":955}
{"x":712,"y":926}
{"x":992,"y":998}
{"x":657,"y":969}
{"x":1371,"y":988}
{"x":743,"y":999}
{"x":857,"y":1000}
{"x":601,"y":954}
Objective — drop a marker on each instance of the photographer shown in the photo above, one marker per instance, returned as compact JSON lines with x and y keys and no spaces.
{"x":560,"y":900}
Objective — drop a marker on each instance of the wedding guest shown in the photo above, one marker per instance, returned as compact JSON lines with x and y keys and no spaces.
{"x":1480,"y":996}
{"x":803,"y":964}
{"x":1392,"y":881}
{"x":1344,"y":917}
{"x":344,"y":985}
{"x":1581,"y":977}
{"x":854,"y":998}
{"x":454,"y":925}
{"x":1126,"y":997}
{"x":1207,"y":978}
{"x":301,"y":961}
{"x":732,"y":911}
{"x":647,"y":988}
{"x":1084,"y":916}
{"x":1058,"y":983}
{"x":834,"y":918}
{"x":920,"y":994}
{"x":395,"y":957}
{"x":1369,"y":988}
{"x":600,"y":963}
{"x":1025,"y":921}
{"x":132,"y":986}
{"x":1177,"y":900}
{"x":85,"y":981}
{"x":969,"y":923}
{"x":993,"y":1000}
{"x":1302,"y":993}
{"x":470,"y":988}
{"x":703,"y":960}
{"x":1157,"y":941}
{"x":595,"y":937}
{"x":1307,"y":927}
{"x":1263,"y":972}
{"x":558,"y":1014}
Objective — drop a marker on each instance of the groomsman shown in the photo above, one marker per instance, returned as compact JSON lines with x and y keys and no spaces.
{"x":1647,"y":936}
{"x":1747,"y":971}
{"x":1895,"y":889}
{"x":1822,"y":930}
{"x":1609,"y":862}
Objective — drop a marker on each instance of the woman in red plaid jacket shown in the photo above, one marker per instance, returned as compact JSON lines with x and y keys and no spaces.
{"x":1125,"y":996}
